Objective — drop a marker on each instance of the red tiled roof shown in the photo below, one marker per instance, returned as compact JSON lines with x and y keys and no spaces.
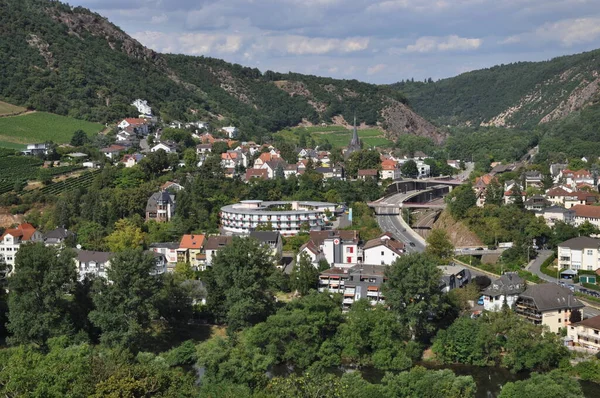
{"x":257,"y":173}
{"x":558,"y":191}
{"x":586,"y":211}
{"x":135,"y":121}
{"x":25,"y":231}
{"x":191,"y":241}
{"x":368,"y":172}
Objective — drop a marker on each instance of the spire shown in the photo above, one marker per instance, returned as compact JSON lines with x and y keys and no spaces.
{"x":355,"y":142}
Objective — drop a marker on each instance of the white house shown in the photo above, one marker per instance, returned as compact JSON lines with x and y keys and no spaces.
{"x":167,"y":249}
{"x":232,"y":132}
{"x":37,"y":149}
{"x":13,"y":238}
{"x":554,"y":214}
{"x":140,"y":125}
{"x":586,"y":333}
{"x":383,"y":250}
{"x":124,"y":135}
{"x":142,"y":107}
{"x":579,"y":253}
{"x":130,"y":160}
{"x":213,"y":245}
{"x":165,"y":146}
{"x":339,"y":248}
{"x":92,"y":263}
{"x":585,"y":213}
{"x":504,"y":290}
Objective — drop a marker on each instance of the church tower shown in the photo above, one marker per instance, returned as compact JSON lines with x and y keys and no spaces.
{"x":354,"y":142}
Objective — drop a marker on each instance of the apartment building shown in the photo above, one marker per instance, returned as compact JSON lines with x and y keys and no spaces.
{"x":581,"y":253}
{"x":355,"y":283}
{"x":338,"y":248}
{"x":586,"y":333}
{"x":547,"y":304}
{"x":13,"y":238}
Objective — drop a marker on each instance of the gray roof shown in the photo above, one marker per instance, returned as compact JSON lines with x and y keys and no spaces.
{"x":266,"y":236}
{"x":548,"y":296}
{"x":58,"y":234}
{"x":85,"y":256}
{"x":556,"y":209}
{"x":217,"y":242}
{"x":508,"y":284}
{"x":580,"y":243}
{"x":156,"y":197}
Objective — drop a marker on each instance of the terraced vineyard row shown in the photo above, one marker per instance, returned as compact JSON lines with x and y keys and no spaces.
{"x":17,"y":168}
{"x":83,"y":181}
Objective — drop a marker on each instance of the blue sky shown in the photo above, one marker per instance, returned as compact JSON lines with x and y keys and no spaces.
{"x":375,"y":41}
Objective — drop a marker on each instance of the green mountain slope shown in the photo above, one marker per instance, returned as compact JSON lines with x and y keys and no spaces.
{"x":73,"y":62}
{"x":522,"y":94}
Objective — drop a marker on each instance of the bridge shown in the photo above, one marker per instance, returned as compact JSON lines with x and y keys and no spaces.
{"x":478,"y":251}
{"x":425,"y":205}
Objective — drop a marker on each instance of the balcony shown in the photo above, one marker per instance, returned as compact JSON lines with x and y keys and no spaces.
{"x":372,"y":294}
{"x":348,"y":300}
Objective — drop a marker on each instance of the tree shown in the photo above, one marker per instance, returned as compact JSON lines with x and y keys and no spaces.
{"x":304,"y":275}
{"x":556,"y":384}
{"x":127,"y":302}
{"x":494,"y":194}
{"x":439,"y":245}
{"x":409,"y":169}
{"x":575,"y":316}
{"x":190,"y":158}
{"x":237,"y":283}
{"x":155,"y":162}
{"x":460,"y":200}
{"x":125,"y":236}
{"x":79,"y":138}
{"x":39,"y":304}
{"x":517,"y":196}
{"x":412,"y":292}
{"x":587,"y":229}
{"x":219,"y":147}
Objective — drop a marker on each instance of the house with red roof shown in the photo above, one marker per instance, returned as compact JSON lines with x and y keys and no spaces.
{"x":13,"y":238}
{"x":191,"y":250}
{"x":138,"y":124}
{"x":574,"y":177}
{"x":390,"y":170}
{"x":252,"y":174}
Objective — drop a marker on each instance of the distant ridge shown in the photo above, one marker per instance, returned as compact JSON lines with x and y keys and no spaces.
{"x":522,"y":94}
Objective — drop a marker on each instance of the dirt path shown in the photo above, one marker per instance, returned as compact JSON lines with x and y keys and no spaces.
{"x":18,"y":114}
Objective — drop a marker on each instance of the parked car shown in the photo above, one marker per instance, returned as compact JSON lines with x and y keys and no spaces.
{"x":480,"y":301}
{"x":412,"y":244}
{"x":479,"y":248}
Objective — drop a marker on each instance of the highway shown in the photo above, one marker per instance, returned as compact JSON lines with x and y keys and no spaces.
{"x":398,"y":227}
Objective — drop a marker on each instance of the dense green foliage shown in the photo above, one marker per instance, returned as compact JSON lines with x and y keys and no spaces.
{"x":555,"y":384}
{"x":575,"y":136}
{"x":491,"y":144}
{"x":480,"y":95}
{"x":501,"y":337}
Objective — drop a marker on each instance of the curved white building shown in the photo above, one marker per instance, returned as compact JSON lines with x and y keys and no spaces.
{"x":285,"y":217}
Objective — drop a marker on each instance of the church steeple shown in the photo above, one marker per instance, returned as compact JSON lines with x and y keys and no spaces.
{"x":354,"y":142}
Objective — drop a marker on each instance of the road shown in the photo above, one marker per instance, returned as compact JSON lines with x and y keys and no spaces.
{"x":398,"y":227}
{"x":534,"y":267}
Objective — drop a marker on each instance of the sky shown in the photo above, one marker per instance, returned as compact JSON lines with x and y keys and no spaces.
{"x":374,"y":41}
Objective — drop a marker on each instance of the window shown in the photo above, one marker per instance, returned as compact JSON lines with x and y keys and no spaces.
{"x":595,"y":332}
{"x":590,"y":252}
{"x":559,"y":311}
{"x":382,"y":253}
{"x":559,"y":320}
{"x":348,"y":259}
{"x":350,"y":249}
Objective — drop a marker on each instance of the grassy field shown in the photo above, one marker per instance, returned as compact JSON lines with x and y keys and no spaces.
{"x":8,"y":109}
{"x":337,"y":136}
{"x":12,"y":145}
{"x":42,"y":127}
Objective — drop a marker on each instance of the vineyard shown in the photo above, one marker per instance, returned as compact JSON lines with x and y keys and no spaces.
{"x":14,"y":169}
{"x":83,"y":181}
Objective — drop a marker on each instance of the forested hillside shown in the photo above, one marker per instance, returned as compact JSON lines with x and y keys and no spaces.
{"x":522,"y":94}
{"x":71,"y":61}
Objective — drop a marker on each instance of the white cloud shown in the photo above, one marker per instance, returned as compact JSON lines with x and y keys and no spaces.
{"x":302,"y":45}
{"x":566,"y":33}
{"x":376,"y":69}
{"x":429,"y":44}
{"x":159,"y":19}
